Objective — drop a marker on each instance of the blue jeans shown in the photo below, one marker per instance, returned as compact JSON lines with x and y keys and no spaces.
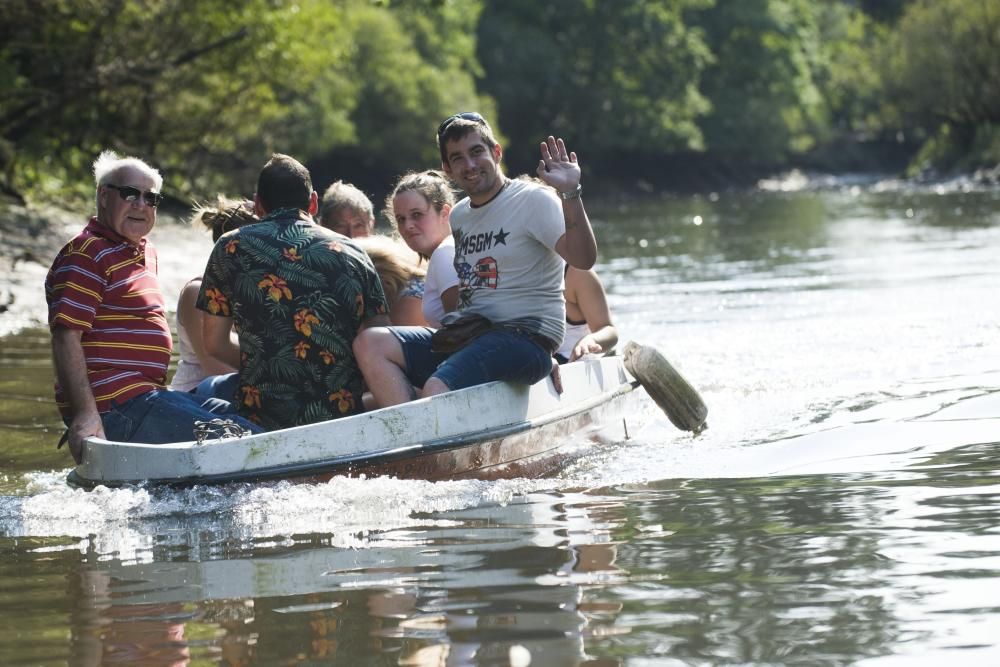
{"x":218,"y":386}
{"x":499,"y":354}
{"x":162,"y":416}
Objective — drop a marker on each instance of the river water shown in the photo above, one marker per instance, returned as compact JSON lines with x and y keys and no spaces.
{"x":843,"y":506}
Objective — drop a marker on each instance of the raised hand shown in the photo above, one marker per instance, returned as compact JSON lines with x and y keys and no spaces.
{"x":558,"y":167}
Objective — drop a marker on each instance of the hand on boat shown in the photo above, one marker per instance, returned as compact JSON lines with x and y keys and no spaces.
{"x":556,"y":378}
{"x":81,"y":428}
{"x":558,"y":167}
{"x":584,"y":346}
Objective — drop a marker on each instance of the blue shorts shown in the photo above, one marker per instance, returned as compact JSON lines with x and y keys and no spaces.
{"x":499,"y":354}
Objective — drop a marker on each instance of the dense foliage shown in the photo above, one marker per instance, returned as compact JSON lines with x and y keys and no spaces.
{"x":207,"y":89}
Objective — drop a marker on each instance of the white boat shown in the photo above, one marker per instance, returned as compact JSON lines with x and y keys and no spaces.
{"x":491,"y":431}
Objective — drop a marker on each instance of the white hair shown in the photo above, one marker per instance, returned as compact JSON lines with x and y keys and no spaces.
{"x":109,"y":163}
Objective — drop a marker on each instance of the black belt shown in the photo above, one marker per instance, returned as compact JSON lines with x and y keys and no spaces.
{"x":545,"y":342}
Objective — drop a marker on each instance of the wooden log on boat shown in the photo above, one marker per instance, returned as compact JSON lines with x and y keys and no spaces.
{"x":666,"y":386}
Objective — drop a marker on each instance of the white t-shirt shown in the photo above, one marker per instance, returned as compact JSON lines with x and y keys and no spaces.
{"x":440,"y":277}
{"x":508,"y":269}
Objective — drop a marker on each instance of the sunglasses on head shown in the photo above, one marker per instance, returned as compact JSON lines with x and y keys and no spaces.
{"x":465,"y":115}
{"x":130,"y":194}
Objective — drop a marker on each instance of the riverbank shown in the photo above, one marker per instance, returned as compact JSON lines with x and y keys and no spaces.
{"x":32,"y":235}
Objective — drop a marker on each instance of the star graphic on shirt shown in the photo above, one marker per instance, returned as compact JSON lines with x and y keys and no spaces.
{"x":501,"y":236}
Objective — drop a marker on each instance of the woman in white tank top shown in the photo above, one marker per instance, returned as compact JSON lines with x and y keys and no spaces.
{"x":589,"y":329}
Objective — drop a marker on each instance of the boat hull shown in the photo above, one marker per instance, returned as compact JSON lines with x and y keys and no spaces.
{"x":492,"y":431}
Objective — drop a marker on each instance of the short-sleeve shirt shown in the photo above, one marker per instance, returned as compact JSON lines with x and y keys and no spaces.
{"x":298,"y":294}
{"x":506,"y":261}
{"x":106,"y":287}
{"x":441,"y":277}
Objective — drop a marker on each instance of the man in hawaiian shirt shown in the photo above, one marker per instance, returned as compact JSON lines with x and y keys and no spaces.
{"x":298,"y":295}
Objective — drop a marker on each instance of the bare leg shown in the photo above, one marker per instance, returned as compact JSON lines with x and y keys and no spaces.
{"x":380,"y":356}
{"x":433,"y":387}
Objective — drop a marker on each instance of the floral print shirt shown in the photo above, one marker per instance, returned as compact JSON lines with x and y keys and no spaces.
{"x":298,"y":294}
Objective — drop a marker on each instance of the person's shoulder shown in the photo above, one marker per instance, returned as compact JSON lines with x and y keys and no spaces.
{"x":341,"y":247}
{"x":193,"y":285}
{"x":89,"y":242}
{"x":581,"y":278}
{"x":532,"y":189}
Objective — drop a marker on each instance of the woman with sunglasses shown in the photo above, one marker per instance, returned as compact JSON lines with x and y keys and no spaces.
{"x":197,"y":371}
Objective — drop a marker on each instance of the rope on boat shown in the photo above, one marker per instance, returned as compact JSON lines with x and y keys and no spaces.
{"x":218,"y":429}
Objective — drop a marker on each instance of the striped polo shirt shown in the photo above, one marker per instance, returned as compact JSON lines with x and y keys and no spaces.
{"x":106,"y":287}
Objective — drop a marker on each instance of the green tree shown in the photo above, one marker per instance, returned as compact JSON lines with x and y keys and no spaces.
{"x":765,"y":100}
{"x":207,"y":89}
{"x":943,"y":68}
{"x":847,"y":76}
{"x":413,"y":66}
{"x":617,"y":77}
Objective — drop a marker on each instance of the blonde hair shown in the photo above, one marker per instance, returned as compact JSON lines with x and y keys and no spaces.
{"x":223,"y":215}
{"x":394,"y":263}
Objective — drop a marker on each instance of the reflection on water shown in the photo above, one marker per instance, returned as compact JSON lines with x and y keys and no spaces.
{"x":808,"y":570}
{"x":842,"y":508}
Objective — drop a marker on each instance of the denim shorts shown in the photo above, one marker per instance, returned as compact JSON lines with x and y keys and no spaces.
{"x":499,"y":354}
{"x":163,"y":416}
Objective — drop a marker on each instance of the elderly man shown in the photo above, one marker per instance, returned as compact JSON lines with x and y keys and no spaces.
{"x":298,"y":294}
{"x":110,"y":338}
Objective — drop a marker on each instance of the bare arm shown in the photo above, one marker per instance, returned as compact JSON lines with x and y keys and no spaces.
{"x":586,"y":290}
{"x":561,"y":170}
{"x":449,"y":298}
{"x":191,"y":319}
{"x":71,"y":371}
{"x":217,"y":341}
{"x":408,"y":312}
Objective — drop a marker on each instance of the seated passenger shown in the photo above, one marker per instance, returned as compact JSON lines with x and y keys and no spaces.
{"x":298,"y":294}
{"x":589,"y":329}
{"x":111,"y":341}
{"x":347,"y":210}
{"x":420,"y":205}
{"x":511,"y":237}
{"x":402,"y":278}
{"x":195,"y":363}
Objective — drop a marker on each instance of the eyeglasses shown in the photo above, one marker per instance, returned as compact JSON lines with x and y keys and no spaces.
{"x":465,"y":115}
{"x":130,"y":194}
